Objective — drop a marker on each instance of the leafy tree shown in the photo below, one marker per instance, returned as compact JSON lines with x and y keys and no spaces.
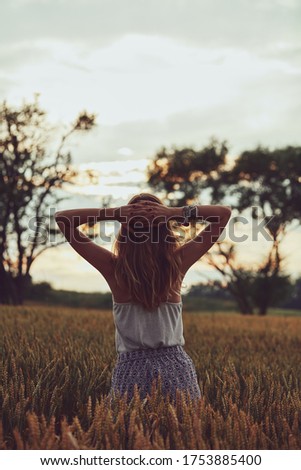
{"x":294,"y":299}
{"x":210,"y":289}
{"x":235,"y":278}
{"x":269,"y":183}
{"x":181,"y":174}
{"x":270,"y":290}
{"x":265,"y":182}
{"x":30,"y":180}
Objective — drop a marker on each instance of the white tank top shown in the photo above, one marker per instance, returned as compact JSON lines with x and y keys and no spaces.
{"x":139,"y":328}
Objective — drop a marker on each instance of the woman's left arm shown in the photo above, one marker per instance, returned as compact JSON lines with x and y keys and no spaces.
{"x":96,"y":255}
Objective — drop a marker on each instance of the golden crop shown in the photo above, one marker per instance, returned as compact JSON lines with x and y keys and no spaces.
{"x":56,"y":366}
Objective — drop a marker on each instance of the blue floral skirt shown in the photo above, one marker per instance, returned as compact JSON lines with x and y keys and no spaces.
{"x":143,"y":367}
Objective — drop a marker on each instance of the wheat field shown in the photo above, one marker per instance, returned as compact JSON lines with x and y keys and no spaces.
{"x":56,"y":366}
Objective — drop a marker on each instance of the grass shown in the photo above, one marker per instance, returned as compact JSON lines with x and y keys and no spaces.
{"x":56,"y":366}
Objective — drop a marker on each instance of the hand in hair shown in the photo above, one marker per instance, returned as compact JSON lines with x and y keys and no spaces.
{"x":144,"y":213}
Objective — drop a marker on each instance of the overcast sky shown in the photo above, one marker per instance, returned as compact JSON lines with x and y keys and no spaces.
{"x":156,"y":72}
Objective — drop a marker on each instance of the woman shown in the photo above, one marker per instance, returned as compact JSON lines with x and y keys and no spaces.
{"x":145,"y":273}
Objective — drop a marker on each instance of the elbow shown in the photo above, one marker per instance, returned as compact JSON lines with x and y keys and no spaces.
{"x":63,"y":220}
{"x":57,"y":215}
{"x":61,"y":216}
{"x":226,"y":211}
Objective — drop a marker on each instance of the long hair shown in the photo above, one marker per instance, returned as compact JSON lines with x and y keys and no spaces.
{"x":149,"y":269}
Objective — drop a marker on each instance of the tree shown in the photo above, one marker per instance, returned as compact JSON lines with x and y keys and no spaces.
{"x":235,"y":278}
{"x":29,"y":182}
{"x":186,"y":176}
{"x":294,"y":299}
{"x":258,"y":287}
{"x":267,"y":183}
{"x":182,"y":173}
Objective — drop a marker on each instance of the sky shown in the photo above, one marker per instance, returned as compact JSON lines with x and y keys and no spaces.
{"x":156,"y":73}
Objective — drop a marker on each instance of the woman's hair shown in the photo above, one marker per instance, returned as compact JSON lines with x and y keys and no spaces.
{"x":148,"y":267}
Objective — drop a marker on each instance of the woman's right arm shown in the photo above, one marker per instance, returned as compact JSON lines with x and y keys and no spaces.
{"x":218,"y":216}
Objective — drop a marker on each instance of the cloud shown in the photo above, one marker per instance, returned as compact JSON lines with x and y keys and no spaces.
{"x":95,"y":23}
{"x":265,"y":111}
{"x":287,"y":53}
{"x":270,"y":4}
{"x":15,"y":55}
{"x":165,"y":86}
{"x":5,"y":85}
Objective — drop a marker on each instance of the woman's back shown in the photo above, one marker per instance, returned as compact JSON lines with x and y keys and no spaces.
{"x":121,"y":295}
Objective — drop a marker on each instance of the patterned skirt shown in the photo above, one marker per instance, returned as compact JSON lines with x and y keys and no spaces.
{"x":144,"y":366}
